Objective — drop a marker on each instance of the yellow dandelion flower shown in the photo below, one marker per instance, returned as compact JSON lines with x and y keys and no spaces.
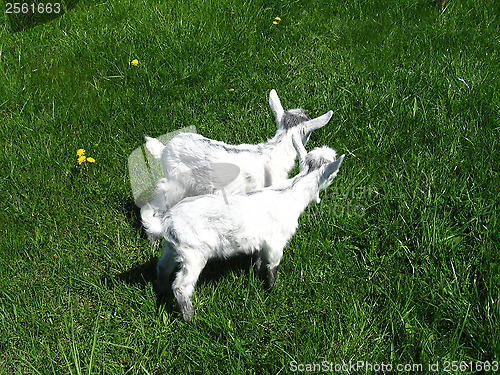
{"x":275,"y":22}
{"x":135,"y":62}
{"x":278,"y":19}
{"x":80,"y":152}
{"x":81,"y":159}
{"x":91,"y":160}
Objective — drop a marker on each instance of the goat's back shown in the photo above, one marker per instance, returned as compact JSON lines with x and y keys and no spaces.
{"x":239,"y":223}
{"x":192,"y":157}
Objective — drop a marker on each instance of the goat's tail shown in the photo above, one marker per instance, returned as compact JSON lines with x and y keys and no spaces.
{"x":154,"y":146}
{"x":152,"y":223}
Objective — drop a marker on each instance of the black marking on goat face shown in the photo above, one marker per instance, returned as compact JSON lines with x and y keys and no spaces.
{"x":294,"y":117}
{"x":315,"y":163}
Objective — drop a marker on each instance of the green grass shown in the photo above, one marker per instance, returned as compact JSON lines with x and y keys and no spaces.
{"x":400,"y":262}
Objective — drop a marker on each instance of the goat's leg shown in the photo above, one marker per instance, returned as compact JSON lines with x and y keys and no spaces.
{"x":165,"y":267}
{"x":183,"y":286}
{"x":270,"y":258}
{"x":272,"y":275}
{"x":257,"y":265}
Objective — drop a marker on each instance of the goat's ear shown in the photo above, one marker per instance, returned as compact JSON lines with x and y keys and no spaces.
{"x":317,"y":122}
{"x":275,"y":104}
{"x":334,"y":166}
{"x":299,"y":147}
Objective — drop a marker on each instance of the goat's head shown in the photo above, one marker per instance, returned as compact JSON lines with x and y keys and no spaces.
{"x":321,"y":158}
{"x":329,"y":172}
{"x":296,"y":120}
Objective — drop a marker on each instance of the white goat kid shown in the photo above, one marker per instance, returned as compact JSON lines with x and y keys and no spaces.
{"x":188,"y":160}
{"x":261,"y":223}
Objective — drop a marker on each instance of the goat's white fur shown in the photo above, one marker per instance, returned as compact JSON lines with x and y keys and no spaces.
{"x":188,"y":158}
{"x":262,"y":222}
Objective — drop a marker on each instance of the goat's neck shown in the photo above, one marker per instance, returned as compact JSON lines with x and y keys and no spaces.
{"x":303,"y":190}
{"x":281,"y":154}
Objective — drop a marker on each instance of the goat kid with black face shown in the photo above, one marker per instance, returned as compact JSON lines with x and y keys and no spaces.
{"x":261,"y":223}
{"x":189,"y":158}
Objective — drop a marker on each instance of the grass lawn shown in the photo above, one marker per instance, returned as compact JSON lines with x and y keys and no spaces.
{"x":400,"y":262}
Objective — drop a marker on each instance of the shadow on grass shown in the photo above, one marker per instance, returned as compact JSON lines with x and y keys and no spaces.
{"x":133,"y":214}
{"x":142,"y":274}
{"x":215,"y":270}
{"x":32,"y":13}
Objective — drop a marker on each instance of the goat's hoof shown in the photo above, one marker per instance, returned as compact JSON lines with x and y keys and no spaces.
{"x":189,"y":317}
